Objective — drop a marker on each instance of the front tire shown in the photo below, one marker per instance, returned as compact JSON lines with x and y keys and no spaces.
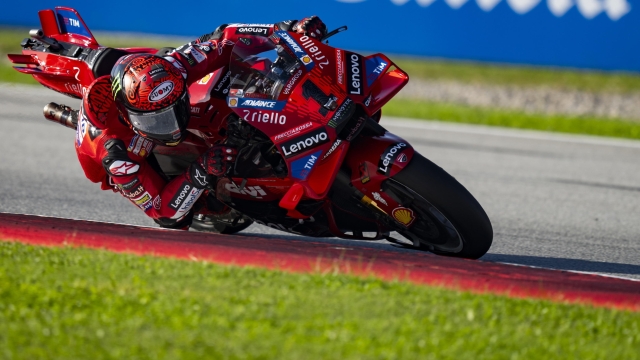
{"x":443,"y":195}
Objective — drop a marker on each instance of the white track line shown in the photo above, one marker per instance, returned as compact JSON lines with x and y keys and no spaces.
{"x":435,"y":125}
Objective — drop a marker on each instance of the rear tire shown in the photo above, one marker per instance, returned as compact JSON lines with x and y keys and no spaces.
{"x":436,"y":187}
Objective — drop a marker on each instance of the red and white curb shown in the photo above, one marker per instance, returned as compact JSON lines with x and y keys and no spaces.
{"x":303,"y":256}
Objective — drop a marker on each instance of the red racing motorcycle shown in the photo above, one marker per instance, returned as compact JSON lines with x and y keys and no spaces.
{"x":304,"y":116}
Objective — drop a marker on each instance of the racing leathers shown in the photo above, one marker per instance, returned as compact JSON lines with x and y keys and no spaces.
{"x":112,"y":154}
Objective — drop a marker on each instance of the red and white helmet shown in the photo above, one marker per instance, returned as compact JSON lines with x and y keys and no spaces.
{"x":154,"y":96}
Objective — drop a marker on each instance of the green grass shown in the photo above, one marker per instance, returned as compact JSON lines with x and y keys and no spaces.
{"x":522,"y":76}
{"x":86,"y":304}
{"x":511,"y":118}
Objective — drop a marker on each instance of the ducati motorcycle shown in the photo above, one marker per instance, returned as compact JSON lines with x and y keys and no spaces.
{"x":313,"y":158}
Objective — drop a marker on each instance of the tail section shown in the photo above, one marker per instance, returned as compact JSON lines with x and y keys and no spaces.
{"x":66,"y":24}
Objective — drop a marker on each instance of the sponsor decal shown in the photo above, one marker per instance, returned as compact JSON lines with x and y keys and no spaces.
{"x":341,"y":114}
{"x":196,"y":54}
{"x":140,"y":146}
{"x":245,"y":41}
{"x":297,"y":49}
{"x":375,"y":67}
{"x":70,"y":23}
{"x":134,"y":193}
{"x":403,"y":215}
{"x":154,"y":72}
{"x":292,"y":82}
{"x":121,"y":168}
{"x":206,"y":46}
{"x":293,"y":131}
{"x":379,"y":198}
{"x":178,"y":65}
{"x":261,"y":104}
{"x":195,"y":110}
{"x":270,"y":117}
{"x":236,"y":92}
{"x":232,"y":102}
{"x":315,"y":52}
{"x":144,"y":202}
{"x":224,"y":83}
{"x":304,"y":143}
{"x":157,"y":202}
{"x":161,"y":91}
{"x":355,"y":130}
{"x":291,"y":43}
{"x":205,"y":79}
{"x":301,"y":168}
{"x":354,"y":74}
{"x":201,"y":178}
{"x":332,"y":149}
{"x":364,"y":173}
{"x":388,"y":156}
{"x":367,"y":101}
{"x":402,"y":158}
{"x":222,"y":44}
{"x":340,"y":66}
{"x":74,"y":88}
{"x":191,"y":198}
{"x":258,"y":25}
{"x":181,"y":195}
{"x":253,"y":191}
{"x":81,"y":129}
{"x":129,"y":185}
{"x":189,"y":59}
{"x":253,"y":30}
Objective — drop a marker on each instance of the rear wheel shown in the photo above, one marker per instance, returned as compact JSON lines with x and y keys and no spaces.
{"x":448,"y":219}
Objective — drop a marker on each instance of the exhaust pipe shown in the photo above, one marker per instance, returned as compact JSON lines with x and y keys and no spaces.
{"x":61,"y":114}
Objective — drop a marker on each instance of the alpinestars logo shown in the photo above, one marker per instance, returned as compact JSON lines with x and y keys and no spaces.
{"x":121,"y":168}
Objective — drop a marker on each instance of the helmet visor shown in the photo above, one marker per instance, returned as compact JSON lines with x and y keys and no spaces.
{"x":162,"y":123}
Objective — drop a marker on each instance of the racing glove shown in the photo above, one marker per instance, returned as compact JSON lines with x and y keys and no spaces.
{"x":214,"y":163}
{"x":311,"y":26}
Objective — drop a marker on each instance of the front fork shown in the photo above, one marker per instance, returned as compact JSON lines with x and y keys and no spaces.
{"x":373,"y":158}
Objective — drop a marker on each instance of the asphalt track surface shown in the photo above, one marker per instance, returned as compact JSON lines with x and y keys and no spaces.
{"x":555,"y":201}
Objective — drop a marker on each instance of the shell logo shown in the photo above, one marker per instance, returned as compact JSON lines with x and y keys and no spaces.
{"x":205,"y":79}
{"x":403,"y":215}
{"x":306,"y":59}
{"x":233,"y":102}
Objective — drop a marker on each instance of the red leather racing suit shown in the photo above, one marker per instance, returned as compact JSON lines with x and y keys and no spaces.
{"x":111,"y":154}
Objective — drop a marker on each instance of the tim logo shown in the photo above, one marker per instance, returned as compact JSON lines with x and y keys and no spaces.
{"x":72,"y":22}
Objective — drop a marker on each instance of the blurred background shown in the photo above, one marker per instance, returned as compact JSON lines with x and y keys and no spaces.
{"x":560,"y":65}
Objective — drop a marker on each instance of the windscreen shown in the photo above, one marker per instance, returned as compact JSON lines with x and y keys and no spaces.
{"x":262,"y":72}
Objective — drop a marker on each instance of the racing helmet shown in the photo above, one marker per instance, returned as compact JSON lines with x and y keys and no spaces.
{"x":152,"y":96}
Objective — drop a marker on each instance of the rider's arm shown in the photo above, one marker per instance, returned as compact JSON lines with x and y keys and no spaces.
{"x":212,"y":51}
{"x":134,"y":175}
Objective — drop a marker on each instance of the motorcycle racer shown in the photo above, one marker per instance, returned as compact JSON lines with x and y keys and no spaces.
{"x":145,"y":103}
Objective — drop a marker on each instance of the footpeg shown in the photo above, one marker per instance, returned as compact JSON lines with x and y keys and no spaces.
{"x":61,"y":114}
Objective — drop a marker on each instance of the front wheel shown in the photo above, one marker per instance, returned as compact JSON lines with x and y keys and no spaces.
{"x":449,"y":221}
